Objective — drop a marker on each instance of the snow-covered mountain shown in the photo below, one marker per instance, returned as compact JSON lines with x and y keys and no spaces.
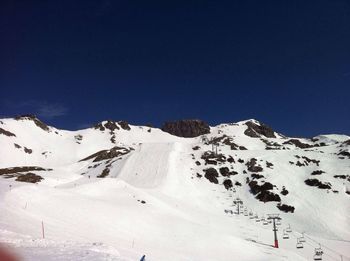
{"x":116,"y":192}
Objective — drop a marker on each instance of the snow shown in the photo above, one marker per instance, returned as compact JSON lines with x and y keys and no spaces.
{"x":152,"y":202}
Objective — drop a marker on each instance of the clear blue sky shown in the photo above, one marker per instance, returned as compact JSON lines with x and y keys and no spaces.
{"x":75,"y":63}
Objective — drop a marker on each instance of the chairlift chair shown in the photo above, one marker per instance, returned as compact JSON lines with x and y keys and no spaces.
{"x":302,"y":238}
{"x":278,"y":222}
{"x":265,"y":222}
{"x":299,"y":244}
{"x":318,"y":254}
{"x":288,"y":229}
{"x":285,"y":234}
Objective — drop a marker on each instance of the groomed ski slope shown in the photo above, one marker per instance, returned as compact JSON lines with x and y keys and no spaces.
{"x":152,"y":203}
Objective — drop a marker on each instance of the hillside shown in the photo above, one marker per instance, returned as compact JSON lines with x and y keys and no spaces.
{"x":117,"y":191}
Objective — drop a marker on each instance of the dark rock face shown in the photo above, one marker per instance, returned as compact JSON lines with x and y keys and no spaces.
{"x":29,"y":151}
{"x":266,"y":196}
{"x":211,"y":174}
{"x":228,"y":184}
{"x":298,"y":144}
{"x":124,"y":125}
{"x":108,"y":154}
{"x":344,"y":153}
{"x":104,"y":173}
{"x":317,"y":183}
{"x":7,"y":133}
{"x":284,"y":191}
{"x":317,"y":172}
{"x":186,"y":128}
{"x":16,"y":170}
{"x":255,"y":130}
{"x":110,"y":125}
{"x":252,"y":166}
{"x":29,"y":177}
{"x":36,"y":121}
{"x":286,"y":208}
{"x":262,"y":191}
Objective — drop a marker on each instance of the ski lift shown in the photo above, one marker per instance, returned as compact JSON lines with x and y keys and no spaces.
{"x":278,"y":222}
{"x":256,"y":216}
{"x":245,"y":212}
{"x":318,"y":253}
{"x":265,"y":222}
{"x":285,"y":234}
{"x":288,"y":229}
{"x":299,"y":244}
{"x":257,"y":220}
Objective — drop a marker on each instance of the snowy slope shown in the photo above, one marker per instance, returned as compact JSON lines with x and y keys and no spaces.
{"x":116,"y":192}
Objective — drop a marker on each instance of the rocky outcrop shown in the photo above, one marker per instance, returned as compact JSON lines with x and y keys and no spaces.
{"x":255,"y":131}
{"x":7,"y":133}
{"x":211,"y":174}
{"x":186,"y":128}
{"x":108,"y":154}
{"x":298,"y":143}
{"x":112,"y":125}
{"x":317,"y":183}
{"x":36,"y":121}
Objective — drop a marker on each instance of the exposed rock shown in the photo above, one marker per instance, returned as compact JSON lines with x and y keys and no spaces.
{"x":262,"y":191}
{"x":228,"y":184}
{"x":186,"y":128}
{"x":110,"y":125}
{"x":29,"y":151}
{"x":255,"y":130}
{"x":317,"y":183}
{"x":33,"y":118}
{"x":317,"y":172}
{"x":17,"y":146}
{"x":238,"y":183}
{"x":344,"y":153}
{"x":29,"y":177}
{"x":124,"y":125}
{"x":266,"y":196}
{"x":14,"y":170}
{"x":269,"y":164}
{"x":347,"y":177}
{"x":198,"y":163}
{"x":252,"y":166}
{"x":255,"y":188}
{"x":298,"y":143}
{"x":284,"y":191}
{"x":104,"y":173}
{"x":196,"y":148}
{"x":108,"y":154}
{"x":7,"y":133}
{"x":286,"y":208}
{"x":257,"y":176}
{"x":230,"y":159}
{"x":224,"y":171}
{"x":211,"y":174}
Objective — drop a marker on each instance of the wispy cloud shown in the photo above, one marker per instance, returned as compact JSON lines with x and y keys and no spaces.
{"x":47,"y":110}
{"x":42,"y":109}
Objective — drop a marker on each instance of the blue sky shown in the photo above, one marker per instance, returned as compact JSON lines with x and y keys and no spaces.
{"x":75,"y":63}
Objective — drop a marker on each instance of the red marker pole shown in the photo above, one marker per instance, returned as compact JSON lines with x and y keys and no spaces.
{"x":42,"y":228}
